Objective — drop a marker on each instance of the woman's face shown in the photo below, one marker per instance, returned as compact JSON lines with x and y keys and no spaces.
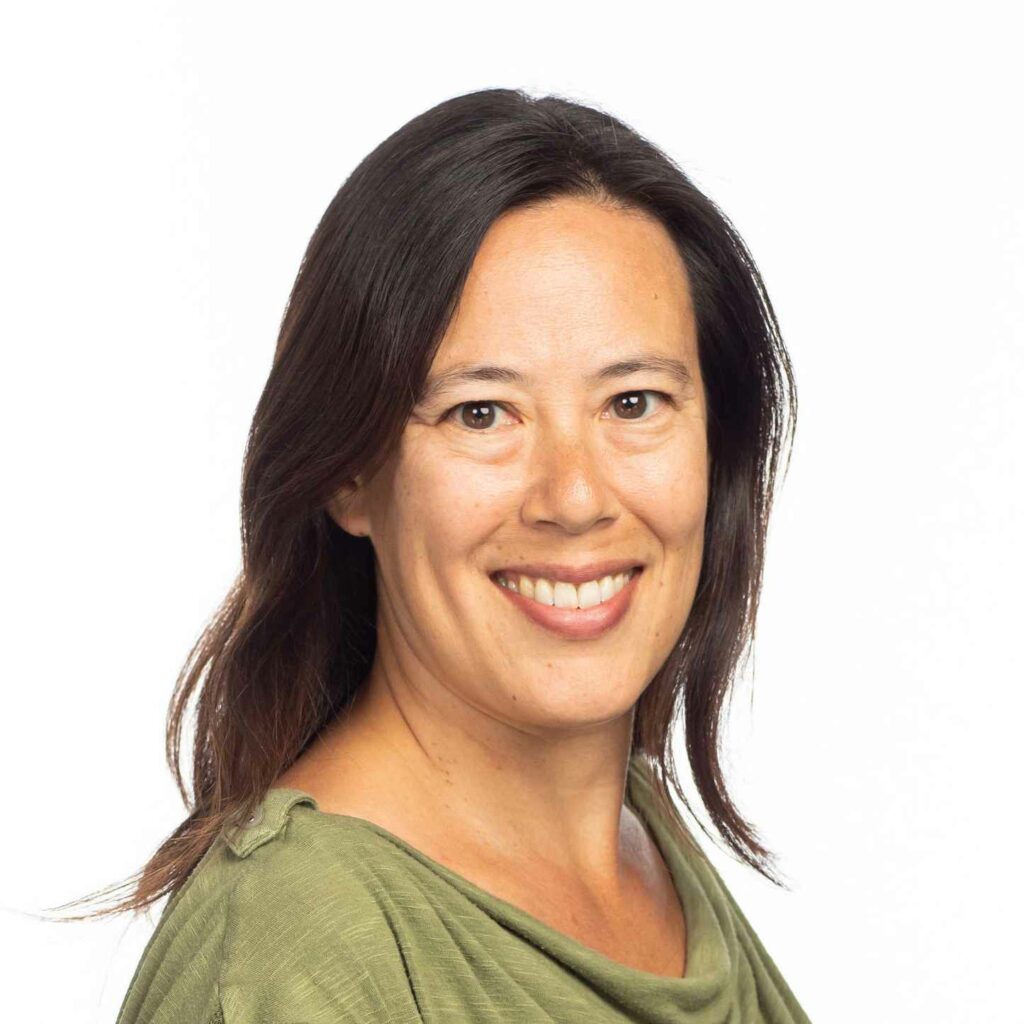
{"x":562,"y":457}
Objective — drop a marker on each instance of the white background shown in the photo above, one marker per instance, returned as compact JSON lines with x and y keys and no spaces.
{"x":165,"y":165}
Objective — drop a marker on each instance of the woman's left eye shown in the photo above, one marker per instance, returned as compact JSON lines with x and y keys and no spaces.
{"x":482,"y":413}
{"x":632,"y":405}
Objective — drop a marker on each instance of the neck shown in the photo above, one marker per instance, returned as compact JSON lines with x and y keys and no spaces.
{"x":438,"y":767}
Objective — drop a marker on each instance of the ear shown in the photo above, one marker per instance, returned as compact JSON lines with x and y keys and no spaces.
{"x":347,"y":508}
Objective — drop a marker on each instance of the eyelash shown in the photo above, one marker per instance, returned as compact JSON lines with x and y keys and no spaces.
{"x":502,"y":405}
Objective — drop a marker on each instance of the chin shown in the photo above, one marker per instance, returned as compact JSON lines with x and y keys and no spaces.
{"x":565,"y":704}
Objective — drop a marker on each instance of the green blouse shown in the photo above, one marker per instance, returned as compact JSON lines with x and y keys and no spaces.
{"x":305,"y":916}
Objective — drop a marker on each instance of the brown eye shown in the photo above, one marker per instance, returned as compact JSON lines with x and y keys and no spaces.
{"x":475,"y":416}
{"x":481,"y":414}
{"x":634,"y":404}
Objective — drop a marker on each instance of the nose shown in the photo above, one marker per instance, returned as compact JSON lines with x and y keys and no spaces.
{"x":567,"y":482}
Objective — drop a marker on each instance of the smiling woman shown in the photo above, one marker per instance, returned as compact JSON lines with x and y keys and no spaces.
{"x":504,"y":510}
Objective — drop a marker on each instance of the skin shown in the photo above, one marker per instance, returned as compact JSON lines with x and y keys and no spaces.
{"x":488,"y":742}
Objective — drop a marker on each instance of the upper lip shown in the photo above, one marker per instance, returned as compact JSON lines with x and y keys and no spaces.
{"x":571,"y":573}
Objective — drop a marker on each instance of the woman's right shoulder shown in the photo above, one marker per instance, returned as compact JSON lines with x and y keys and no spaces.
{"x":283,"y":918}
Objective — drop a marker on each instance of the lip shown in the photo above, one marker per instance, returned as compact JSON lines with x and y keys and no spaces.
{"x":569,"y":573}
{"x":576,"y":623}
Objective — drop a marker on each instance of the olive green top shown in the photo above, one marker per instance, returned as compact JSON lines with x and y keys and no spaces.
{"x":305,"y":916}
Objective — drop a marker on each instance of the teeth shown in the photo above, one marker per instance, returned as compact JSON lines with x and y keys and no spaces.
{"x":559,"y":594}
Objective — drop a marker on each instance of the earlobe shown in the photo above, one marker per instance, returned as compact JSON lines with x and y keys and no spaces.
{"x":346,"y":509}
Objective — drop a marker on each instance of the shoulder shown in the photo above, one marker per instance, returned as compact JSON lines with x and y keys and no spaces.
{"x":281,"y":920}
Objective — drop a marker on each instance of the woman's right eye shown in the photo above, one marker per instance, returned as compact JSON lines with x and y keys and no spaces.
{"x":480,"y":415}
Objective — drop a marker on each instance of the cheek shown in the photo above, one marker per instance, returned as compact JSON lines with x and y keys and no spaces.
{"x":441,"y":509}
{"x":669,"y":492}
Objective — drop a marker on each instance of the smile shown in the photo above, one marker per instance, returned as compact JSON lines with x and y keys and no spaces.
{"x":559,"y":594}
{"x":574,"y":612}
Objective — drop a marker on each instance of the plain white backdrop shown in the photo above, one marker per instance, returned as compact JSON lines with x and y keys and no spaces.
{"x":165,"y":166}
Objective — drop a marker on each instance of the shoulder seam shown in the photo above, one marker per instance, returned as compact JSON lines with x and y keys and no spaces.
{"x":268,"y":821}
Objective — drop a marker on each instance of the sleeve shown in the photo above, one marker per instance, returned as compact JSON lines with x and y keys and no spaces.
{"x":176,"y":978}
{"x":280,"y":934}
{"x":262,"y":962}
{"x":301,"y":945}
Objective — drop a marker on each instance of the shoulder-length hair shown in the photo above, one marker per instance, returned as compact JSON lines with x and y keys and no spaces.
{"x":380,"y":279}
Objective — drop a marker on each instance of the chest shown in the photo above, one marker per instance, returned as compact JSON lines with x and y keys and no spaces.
{"x":645,"y":930}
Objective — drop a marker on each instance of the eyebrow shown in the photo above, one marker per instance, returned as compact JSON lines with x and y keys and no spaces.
{"x":487,"y":372}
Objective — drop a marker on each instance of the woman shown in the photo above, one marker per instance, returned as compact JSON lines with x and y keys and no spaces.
{"x":504,"y":502}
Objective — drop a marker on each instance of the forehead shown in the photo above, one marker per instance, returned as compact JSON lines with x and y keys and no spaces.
{"x":570,"y":278}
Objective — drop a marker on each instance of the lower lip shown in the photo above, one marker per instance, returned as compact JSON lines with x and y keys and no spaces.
{"x":575,"y":623}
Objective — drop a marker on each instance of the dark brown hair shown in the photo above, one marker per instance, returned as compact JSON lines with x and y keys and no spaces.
{"x":379,"y":281}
